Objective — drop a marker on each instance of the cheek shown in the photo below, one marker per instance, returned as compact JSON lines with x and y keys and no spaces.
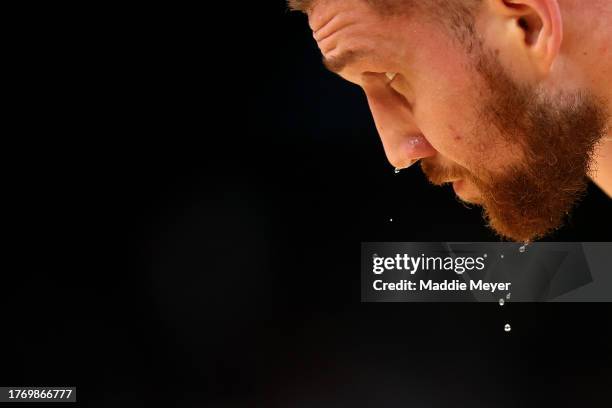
{"x":448,"y":112}
{"x":446,"y":115}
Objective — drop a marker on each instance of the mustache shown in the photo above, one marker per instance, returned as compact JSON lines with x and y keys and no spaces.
{"x":438,"y":174}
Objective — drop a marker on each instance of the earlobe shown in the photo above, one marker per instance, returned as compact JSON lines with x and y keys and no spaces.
{"x":541,"y":26}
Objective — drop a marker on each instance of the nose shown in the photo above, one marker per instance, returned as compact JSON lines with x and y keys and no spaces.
{"x":402,"y":140}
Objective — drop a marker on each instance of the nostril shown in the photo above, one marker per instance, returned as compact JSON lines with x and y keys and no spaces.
{"x":404,"y":167}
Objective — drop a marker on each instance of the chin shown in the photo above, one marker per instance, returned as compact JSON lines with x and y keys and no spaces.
{"x":466,"y":191}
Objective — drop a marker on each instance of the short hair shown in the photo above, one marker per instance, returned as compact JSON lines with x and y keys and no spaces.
{"x":300,"y":5}
{"x":383,"y":6}
{"x":399,"y":6}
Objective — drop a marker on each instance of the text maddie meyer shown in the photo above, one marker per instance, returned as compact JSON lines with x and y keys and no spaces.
{"x":447,"y":285}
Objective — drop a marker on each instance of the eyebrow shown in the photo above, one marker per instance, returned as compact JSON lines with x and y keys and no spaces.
{"x":338,"y":63}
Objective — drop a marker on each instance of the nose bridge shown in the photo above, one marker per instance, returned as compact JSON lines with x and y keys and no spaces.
{"x":402,"y":140}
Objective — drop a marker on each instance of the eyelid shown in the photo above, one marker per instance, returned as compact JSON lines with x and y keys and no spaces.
{"x":393,"y":79}
{"x":391,"y":75}
{"x":393,"y":86}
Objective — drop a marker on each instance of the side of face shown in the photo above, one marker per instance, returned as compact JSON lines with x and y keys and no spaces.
{"x":434,"y":93}
{"x":478,"y":118}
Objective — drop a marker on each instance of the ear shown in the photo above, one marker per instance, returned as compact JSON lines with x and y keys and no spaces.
{"x":535,"y":28}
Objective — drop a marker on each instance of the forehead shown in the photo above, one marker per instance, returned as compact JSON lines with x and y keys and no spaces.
{"x":318,"y":9}
{"x":408,"y":43}
{"x":324,"y":10}
{"x":352,"y":26}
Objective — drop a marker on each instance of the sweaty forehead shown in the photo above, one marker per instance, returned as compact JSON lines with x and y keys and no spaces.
{"x":352,"y":34}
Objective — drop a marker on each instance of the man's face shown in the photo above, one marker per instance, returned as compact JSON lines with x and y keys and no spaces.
{"x":520,"y":155}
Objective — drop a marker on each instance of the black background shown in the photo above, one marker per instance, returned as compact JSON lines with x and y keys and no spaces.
{"x":186,"y":210}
